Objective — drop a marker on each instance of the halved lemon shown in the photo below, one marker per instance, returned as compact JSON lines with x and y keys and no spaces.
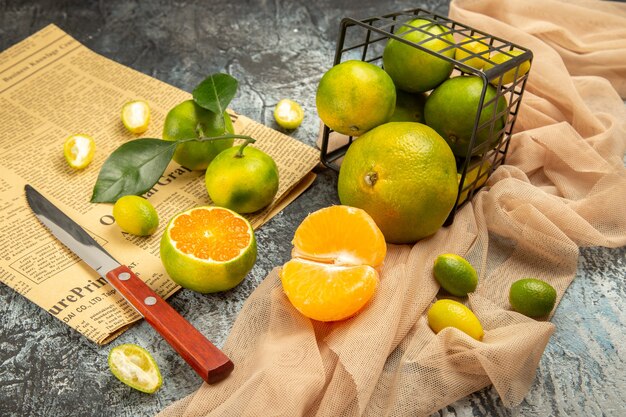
{"x":79,"y":150}
{"x":288,"y":114}
{"x":136,"y":116}
{"x":135,"y":367}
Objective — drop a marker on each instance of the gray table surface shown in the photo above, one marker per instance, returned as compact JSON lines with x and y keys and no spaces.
{"x":275,"y":49}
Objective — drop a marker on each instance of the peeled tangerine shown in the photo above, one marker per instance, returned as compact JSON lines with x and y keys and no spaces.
{"x":333,"y":275}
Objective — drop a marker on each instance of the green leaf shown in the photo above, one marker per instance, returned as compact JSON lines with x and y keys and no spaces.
{"x":133,"y":168}
{"x":215,"y":92}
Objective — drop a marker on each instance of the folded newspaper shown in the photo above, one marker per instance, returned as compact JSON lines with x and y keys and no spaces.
{"x":51,"y":86}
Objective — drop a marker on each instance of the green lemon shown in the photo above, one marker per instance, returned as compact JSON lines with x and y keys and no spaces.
{"x":188,"y":120}
{"x":508,"y":76}
{"x":449,"y":313}
{"x":532,"y":297}
{"x":412,"y":69}
{"x":455,"y":274}
{"x":135,"y":367}
{"x":471,"y":52}
{"x":135,"y":215}
{"x":245,"y":182}
{"x":451,"y":110}
{"x":288,"y":114}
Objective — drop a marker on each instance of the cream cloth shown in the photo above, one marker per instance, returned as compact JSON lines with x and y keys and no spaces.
{"x":564,"y":186}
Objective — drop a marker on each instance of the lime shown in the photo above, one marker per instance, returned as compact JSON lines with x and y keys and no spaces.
{"x":412,"y":69}
{"x":188,"y":120}
{"x":449,"y":313}
{"x":455,"y":274}
{"x":508,"y":76}
{"x":135,"y":367}
{"x":469,"y":51}
{"x":451,"y":110}
{"x":135,"y":215}
{"x":354,"y":97}
{"x":409,"y":107}
{"x":136,"y":116}
{"x":402,"y":174}
{"x":79,"y":150}
{"x":476,"y":175}
{"x":244,"y":183}
{"x":288,"y":114}
{"x":208,"y":249}
{"x":532,"y":297}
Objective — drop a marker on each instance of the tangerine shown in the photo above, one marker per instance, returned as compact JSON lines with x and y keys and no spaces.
{"x":333,"y":275}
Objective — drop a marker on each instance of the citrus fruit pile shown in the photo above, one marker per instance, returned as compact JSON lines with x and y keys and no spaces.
{"x":401,"y":173}
{"x":532,"y":297}
{"x":332,"y":274}
{"x":459,"y":278}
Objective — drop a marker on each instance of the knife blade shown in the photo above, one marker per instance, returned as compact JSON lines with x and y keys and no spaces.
{"x":205,"y":358}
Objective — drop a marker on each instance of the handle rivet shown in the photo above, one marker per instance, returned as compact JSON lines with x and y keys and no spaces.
{"x":124,"y":276}
{"x":150,"y":301}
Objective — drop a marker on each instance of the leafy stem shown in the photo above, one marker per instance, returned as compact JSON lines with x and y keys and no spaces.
{"x":136,"y":166}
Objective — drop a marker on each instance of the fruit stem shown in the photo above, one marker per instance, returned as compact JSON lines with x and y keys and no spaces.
{"x":248,"y":140}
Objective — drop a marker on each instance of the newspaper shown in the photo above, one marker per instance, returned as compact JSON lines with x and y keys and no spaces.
{"x":51,"y":86}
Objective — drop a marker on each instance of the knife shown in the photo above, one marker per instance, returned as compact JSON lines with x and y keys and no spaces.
{"x":207,"y":360}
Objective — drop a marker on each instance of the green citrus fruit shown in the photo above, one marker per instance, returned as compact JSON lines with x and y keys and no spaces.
{"x":188,"y":120}
{"x":288,"y":114}
{"x":449,"y":313}
{"x":412,"y":69}
{"x":244,"y":183}
{"x":455,"y":274}
{"x":409,"y":107}
{"x":208,"y":249}
{"x":136,"y":116}
{"x":532,"y":297}
{"x":135,"y":215}
{"x":477,"y":175}
{"x":403,"y":175}
{"x":135,"y":367}
{"x":354,"y":97}
{"x":79,"y":150}
{"x":451,"y":110}
{"x":470,"y":52}
{"x":508,"y":76}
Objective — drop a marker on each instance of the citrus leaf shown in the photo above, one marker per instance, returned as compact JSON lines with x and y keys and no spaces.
{"x":133,"y":168}
{"x":215,"y":92}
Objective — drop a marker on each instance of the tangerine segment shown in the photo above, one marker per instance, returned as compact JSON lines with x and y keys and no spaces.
{"x":341,"y":235}
{"x":328,"y":292}
{"x":208,"y":249}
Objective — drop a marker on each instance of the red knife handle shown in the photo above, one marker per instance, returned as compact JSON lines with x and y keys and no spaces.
{"x":207,"y":360}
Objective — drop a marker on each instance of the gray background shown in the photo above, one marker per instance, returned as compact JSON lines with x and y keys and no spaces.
{"x":276,"y":49}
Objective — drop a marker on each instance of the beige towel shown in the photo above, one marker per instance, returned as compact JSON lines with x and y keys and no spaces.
{"x":564,"y":186}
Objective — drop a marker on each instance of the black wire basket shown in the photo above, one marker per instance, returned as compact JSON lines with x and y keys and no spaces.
{"x":365,"y":40}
